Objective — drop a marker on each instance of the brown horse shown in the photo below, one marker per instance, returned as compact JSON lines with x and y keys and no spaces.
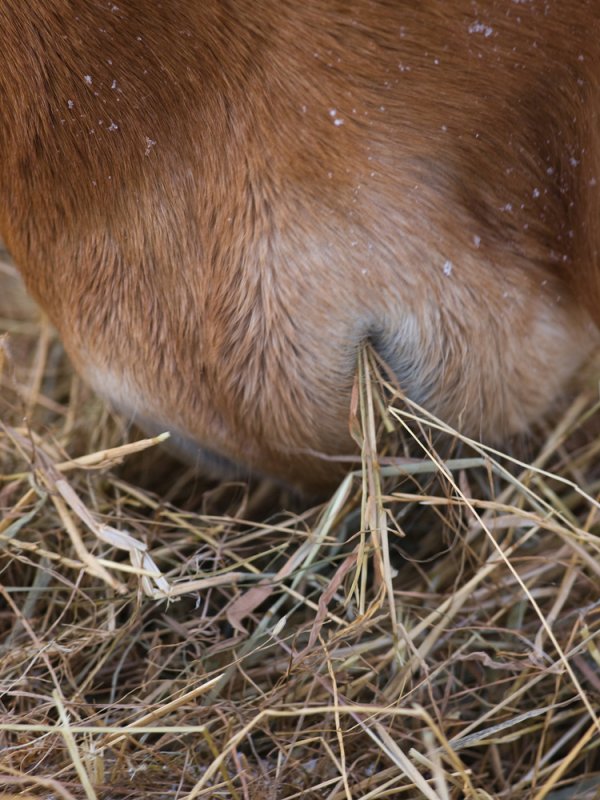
{"x":218,"y":201}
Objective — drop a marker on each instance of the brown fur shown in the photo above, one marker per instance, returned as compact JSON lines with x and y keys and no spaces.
{"x":240,"y":192}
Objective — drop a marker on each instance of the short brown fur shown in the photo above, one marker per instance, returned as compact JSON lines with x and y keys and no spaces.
{"x":217,"y":202}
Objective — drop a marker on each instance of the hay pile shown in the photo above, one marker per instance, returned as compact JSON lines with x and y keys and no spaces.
{"x":432,"y":630}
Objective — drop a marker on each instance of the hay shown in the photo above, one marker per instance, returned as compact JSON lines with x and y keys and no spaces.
{"x":430,"y":631}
